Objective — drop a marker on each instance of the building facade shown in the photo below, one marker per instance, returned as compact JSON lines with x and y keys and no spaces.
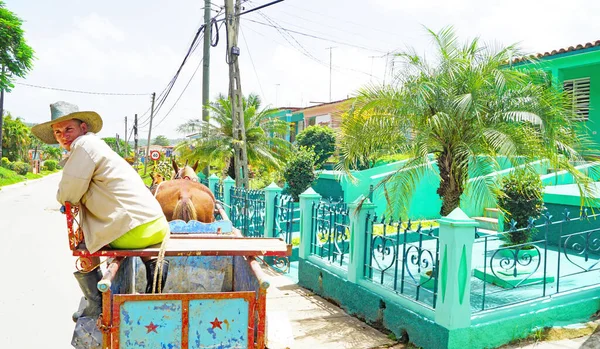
{"x":575,"y":69}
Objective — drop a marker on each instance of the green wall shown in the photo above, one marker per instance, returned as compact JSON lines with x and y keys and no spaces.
{"x":593,"y":72}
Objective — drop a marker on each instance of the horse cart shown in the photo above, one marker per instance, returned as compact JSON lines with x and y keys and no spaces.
{"x":215,"y":295}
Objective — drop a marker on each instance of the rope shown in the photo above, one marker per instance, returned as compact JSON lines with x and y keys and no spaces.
{"x":157,"y":282}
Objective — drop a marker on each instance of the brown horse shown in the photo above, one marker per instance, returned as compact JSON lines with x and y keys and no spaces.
{"x":185,"y":198}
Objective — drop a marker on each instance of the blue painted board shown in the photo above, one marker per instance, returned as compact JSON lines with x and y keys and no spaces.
{"x":194,"y":227}
{"x":150,"y":324}
{"x":218,"y":324}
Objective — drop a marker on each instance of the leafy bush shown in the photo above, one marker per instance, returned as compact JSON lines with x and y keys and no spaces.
{"x":50,"y":165}
{"x":299,"y":171}
{"x":521,"y":199}
{"x":321,"y":139}
{"x":5,"y":162}
{"x":21,"y":167}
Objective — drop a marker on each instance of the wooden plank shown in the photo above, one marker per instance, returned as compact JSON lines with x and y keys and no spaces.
{"x":205,"y":246}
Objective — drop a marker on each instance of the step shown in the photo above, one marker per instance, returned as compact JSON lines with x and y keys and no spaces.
{"x":487,"y":222}
{"x":491,"y":212}
{"x":481,"y":232}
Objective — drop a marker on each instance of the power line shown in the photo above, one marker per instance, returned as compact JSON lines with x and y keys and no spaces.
{"x":83,"y":92}
{"x":302,"y":49}
{"x":181,"y":94}
{"x":315,"y":36}
{"x":252,"y":61}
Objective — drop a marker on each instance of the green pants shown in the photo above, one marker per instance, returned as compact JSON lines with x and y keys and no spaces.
{"x":142,"y":236}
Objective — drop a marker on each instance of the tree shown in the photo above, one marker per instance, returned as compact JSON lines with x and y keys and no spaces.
{"x":321,"y":139}
{"x":299,"y":171}
{"x":51,"y":152}
{"x":161,"y":140}
{"x":112,"y":143}
{"x":264,"y":145}
{"x":361,"y":143}
{"x":467,"y":108}
{"x":16,"y":138}
{"x":16,"y":56}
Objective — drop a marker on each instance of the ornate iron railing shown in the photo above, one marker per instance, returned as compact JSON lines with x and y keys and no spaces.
{"x":283,"y":219}
{"x":564,"y":256}
{"x":330,"y":232}
{"x":248,"y":211}
{"x":401,"y":259}
{"x":218,"y":191}
{"x":204,"y":181}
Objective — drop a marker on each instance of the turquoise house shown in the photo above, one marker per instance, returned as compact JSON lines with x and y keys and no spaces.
{"x":576,"y":69}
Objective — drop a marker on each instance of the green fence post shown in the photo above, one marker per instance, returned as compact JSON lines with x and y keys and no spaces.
{"x":228,"y":183}
{"x":358,"y":241}
{"x":201,"y":176}
{"x":307,"y":199}
{"x":457,"y":234}
{"x":212,"y":182}
{"x":270,"y":192}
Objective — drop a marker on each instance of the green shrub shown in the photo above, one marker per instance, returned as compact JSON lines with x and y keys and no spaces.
{"x":321,"y":139}
{"x":5,"y":162}
{"x":21,"y":167}
{"x":299,"y":171}
{"x":50,"y":165}
{"x":521,"y":199}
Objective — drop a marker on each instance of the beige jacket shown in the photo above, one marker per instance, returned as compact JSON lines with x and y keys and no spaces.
{"x":112,"y":197}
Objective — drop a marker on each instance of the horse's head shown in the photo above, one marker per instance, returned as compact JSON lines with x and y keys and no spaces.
{"x":157,"y":178}
{"x":185,"y":172}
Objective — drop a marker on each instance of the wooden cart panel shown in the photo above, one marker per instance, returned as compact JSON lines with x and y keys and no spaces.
{"x":186,"y":321}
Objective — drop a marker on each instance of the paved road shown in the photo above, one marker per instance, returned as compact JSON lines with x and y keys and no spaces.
{"x":38,"y":293}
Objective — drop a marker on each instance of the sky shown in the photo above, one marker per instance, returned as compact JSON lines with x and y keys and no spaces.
{"x":136,"y":46}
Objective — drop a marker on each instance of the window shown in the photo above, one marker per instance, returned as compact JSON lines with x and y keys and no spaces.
{"x":580,"y":92}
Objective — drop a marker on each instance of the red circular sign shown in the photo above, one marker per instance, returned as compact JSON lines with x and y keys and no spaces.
{"x":154,"y":155}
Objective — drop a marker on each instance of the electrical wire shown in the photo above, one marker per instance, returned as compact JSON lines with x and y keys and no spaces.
{"x":252,"y":61}
{"x":83,"y":92}
{"x":315,"y":36}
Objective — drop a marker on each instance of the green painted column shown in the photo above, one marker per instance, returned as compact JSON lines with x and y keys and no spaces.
{"x":228,"y":183}
{"x":358,"y":239}
{"x":201,"y":176}
{"x":270,"y":193}
{"x":212,"y":182}
{"x":457,"y":234}
{"x":307,"y":199}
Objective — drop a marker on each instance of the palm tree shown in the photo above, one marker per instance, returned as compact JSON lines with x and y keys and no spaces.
{"x":466,"y":108}
{"x":16,"y":138}
{"x":262,"y":129}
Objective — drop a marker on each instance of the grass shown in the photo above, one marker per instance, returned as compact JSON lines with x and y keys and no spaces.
{"x":392,"y":229}
{"x":146,"y":178}
{"x":8,"y":177}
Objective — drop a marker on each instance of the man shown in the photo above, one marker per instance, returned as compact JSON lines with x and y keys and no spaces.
{"x":116,"y":208}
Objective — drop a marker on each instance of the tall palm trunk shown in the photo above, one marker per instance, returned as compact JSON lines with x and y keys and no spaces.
{"x":451,"y":186}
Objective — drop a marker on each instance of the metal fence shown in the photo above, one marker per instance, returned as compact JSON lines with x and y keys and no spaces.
{"x":330,"y":232}
{"x":563,"y":256}
{"x":401,"y":259}
{"x":283,"y":219}
{"x":204,"y":181}
{"x":218,"y":191}
{"x":248,"y":211}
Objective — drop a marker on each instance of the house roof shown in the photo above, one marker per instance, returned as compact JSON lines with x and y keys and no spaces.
{"x":579,"y":47}
{"x":324,"y":104}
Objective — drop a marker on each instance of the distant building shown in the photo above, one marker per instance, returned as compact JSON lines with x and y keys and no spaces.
{"x":324,"y":114}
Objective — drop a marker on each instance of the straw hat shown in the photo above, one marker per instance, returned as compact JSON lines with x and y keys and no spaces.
{"x":62,"y":111}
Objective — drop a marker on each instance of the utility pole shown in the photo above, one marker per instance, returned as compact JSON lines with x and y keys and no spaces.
{"x":135,"y":142}
{"x":206,"y":62}
{"x":149,"y":134}
{"x":276,"y":94}
{"x":330,"y":70}
{"x":126,"y":140}
{"x":117,"y":143}
{"x":240,"y":156}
